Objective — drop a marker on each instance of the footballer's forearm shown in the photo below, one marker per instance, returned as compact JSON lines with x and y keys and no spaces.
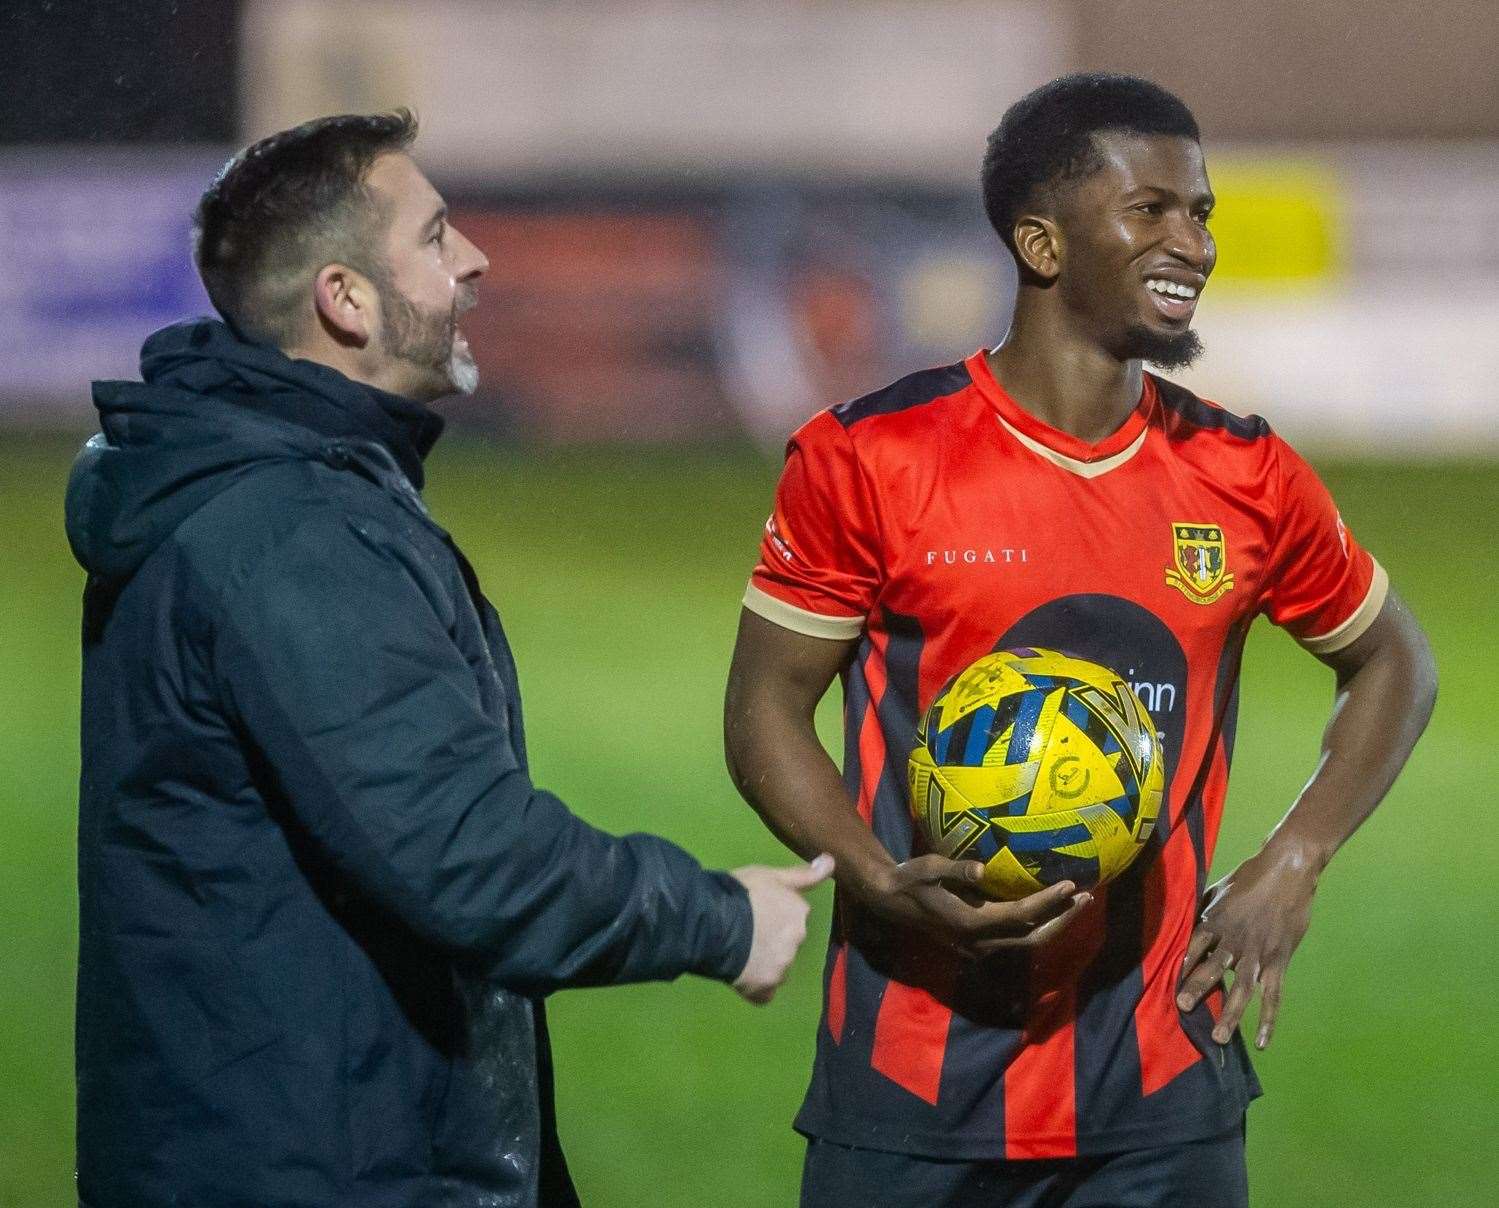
{"x":782,"y":770}
{"x":1386,"y":689}
{"x":776,"y":759}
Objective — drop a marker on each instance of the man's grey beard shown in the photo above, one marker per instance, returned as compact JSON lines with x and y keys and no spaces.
{"x":427,"y":339}
{"x":1164,"y":351}
{"x":463,"y":372}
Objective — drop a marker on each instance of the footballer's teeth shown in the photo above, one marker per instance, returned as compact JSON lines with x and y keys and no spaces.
{"x":1170,"y":288}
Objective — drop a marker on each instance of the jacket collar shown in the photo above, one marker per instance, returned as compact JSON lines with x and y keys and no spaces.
{"x":206,"y":357}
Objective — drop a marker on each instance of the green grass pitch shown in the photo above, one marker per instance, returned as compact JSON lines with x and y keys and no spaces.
{"x":629,"y":567}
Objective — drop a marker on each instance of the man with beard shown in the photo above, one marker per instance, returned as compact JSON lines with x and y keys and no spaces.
{"x":1075,"y":1047}
{"x":321,"y":899}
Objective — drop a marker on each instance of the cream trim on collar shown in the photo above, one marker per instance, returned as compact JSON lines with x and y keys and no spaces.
{"x":1083,"y":469}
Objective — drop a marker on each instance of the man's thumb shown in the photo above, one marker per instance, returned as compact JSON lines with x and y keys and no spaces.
{"x":803,"y":877}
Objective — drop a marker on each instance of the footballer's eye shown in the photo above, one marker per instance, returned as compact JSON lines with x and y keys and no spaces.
{"x":1152,"y":208}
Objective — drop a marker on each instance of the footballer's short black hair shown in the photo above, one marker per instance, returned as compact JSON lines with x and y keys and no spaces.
{"x":286,"y":206}
{"x":1046,"y":137}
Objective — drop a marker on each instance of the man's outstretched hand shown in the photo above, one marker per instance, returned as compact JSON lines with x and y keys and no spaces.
{"x":1254,"y":919}
{"x":780,"y":920}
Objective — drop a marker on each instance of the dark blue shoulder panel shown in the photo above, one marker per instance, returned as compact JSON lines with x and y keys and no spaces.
{"x":1200,"y":414}
{"x":910,"y":391}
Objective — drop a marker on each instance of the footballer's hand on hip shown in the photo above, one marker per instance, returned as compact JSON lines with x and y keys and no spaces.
{"x":1253,"y":921}
{"x":944,"y":898}
{"x":779,"y":912}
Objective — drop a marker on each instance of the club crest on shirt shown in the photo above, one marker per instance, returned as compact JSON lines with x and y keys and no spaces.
{"x":1200,"y":568}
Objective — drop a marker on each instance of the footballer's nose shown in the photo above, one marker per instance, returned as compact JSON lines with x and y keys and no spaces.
{"x":1192,"y":244}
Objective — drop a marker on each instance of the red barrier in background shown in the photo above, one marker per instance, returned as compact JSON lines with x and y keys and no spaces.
{"x":598,"y":325}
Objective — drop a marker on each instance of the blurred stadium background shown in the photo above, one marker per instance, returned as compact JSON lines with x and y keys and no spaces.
{"x":704,"y":221}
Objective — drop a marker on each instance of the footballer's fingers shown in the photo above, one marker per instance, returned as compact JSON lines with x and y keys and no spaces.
{"x":1270,"y":985}
{"x":1052,"y":928}
{"x":1207,"y":973}
{"x":1036,"y":908}
{"x":1233,"y":1006}
{"x":1044,"y":933}
{"x":955,"y":920}
{"x":1017,"y":919}
{"x":964,"y":877}
{"x":933,"y":869}
{"x":1198,"y":947}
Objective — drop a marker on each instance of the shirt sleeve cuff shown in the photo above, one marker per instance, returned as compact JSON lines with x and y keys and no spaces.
{"x":1357,"y":624}
{"x":736,"y":929}
{"x":800,"y":620}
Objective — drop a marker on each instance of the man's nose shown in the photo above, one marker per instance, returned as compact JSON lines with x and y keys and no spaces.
{"x":472,"y":262}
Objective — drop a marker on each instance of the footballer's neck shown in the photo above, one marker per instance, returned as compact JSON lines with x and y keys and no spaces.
{"x":1063,"y":376}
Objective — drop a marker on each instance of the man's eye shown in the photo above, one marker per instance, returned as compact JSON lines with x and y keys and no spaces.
{"x":1153,"y":208}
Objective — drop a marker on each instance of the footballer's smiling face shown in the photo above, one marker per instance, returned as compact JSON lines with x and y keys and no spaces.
{"x":1134,"y":249}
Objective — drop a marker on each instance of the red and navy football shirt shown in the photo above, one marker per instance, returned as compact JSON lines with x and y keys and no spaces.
{"x":935,"y":521}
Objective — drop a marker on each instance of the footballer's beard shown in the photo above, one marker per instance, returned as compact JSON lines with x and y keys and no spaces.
{"x":1165,"y":350}
{"x":429,"y":342}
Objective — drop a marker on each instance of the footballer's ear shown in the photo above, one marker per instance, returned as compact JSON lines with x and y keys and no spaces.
{"x":346,"y":304}
{"x":1038,"y":247}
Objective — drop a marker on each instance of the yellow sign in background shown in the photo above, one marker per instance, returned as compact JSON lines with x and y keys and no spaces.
{"x":1277,"y":220}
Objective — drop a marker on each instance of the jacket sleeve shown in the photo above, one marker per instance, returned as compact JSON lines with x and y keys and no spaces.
{"x":335,"y":660}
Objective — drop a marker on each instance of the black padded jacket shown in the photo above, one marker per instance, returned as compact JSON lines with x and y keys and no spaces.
{"x":321,"y":899}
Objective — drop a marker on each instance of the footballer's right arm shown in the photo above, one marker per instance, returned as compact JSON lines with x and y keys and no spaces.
{"x":780,"y":767}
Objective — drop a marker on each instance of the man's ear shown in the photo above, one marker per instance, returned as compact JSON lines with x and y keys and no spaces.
{"x":1038,"y":247}
{"x":346,"y":304}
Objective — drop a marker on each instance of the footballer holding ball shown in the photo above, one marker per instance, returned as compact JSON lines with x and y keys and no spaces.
{"x":1073,"y":1048}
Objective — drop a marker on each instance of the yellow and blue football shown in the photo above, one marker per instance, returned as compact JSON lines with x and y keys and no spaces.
{"x":1042,"y":766}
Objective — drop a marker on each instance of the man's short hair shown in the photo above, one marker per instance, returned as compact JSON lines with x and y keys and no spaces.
{"x":285,"y":207}
{"x":1046,"y":138}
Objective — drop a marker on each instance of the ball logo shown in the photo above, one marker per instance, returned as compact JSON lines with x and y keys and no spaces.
{"x":1069,"y":778}
{"x":1200,"y":566}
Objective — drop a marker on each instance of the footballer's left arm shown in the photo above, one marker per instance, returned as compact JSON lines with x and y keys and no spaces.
{"x":1256,"y":915}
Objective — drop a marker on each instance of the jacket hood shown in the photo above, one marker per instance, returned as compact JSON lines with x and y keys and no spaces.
{"x":210,"y":408}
